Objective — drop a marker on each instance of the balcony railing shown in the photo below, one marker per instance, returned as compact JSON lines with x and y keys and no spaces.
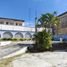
{"x":16,"y":28}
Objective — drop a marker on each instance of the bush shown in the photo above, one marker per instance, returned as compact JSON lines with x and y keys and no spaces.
{"x":43,"y":40}
{"x":21,"y":39}
{"x":14,"y":39}
{"x":5,"y":39}
{"x":28,"y":39}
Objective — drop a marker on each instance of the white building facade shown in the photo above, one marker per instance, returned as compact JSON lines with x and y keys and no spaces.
{"x":14,"y":28}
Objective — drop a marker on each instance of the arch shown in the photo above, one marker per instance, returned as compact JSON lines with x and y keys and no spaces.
{"x":7,"y":34}
{"x":18,"y":35}
{"x":28,"y":35}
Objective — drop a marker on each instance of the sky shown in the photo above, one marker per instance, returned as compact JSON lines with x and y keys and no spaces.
{"x":28,"y":9}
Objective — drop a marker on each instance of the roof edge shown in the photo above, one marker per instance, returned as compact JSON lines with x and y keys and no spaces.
{"x":12,"y":19}
{"x":62,"y":14}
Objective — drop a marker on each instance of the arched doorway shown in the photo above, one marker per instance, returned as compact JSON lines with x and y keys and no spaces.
{"x":7,"y":34}
{"x":28,"y":35}
{"x":18,"y":35}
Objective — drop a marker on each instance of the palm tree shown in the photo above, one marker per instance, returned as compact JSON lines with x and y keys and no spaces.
{"x":43,"y":38}
{"x":49,"y":20}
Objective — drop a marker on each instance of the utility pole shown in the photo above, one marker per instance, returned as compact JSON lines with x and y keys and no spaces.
{"x":35,"y":25}
{"x":35,"y":21}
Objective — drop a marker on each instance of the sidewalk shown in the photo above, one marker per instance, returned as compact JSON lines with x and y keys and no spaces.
{"x":45,"y":59}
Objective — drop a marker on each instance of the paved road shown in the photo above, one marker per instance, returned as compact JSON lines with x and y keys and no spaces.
{"x":6,"y":50}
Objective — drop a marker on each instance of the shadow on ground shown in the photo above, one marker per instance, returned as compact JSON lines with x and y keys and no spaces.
{"x":55,"y":47}
{"x":60,"y":47}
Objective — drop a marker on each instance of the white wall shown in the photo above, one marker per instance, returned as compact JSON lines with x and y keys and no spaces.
{"x":17,"y":28}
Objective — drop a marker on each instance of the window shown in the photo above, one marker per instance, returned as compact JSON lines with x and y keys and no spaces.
{"x":16,"y":23}
{"x":1,"y":22}
{"x":11,"y":23}
{"x":7,"y":23}
{"x":20,"y":24}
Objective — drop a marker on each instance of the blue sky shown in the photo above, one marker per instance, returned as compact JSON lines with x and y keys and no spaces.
{"x":28,"y":9}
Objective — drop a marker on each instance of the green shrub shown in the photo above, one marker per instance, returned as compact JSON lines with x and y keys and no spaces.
{"x":43,"y":41}
{"x":5,"y":39}
{"x":21,"y":39}
{"x":14,"y":39}
{"x":28,"y":39}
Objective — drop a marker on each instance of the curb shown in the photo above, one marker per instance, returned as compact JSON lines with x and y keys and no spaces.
{"x":21,"y":51}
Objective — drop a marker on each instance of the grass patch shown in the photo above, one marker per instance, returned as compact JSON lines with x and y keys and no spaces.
{"x":15,"y":39}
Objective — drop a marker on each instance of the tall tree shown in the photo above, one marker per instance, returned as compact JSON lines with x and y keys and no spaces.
{"x":49,"y":20}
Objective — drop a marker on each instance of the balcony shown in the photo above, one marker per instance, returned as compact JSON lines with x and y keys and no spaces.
{"x":16,"y":28}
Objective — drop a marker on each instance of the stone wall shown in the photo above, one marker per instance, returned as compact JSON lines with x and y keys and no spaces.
{"x":63,"y":24}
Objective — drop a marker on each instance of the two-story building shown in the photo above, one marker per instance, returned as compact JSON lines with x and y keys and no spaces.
{"x":14,"y":28}
{"x":63,"y":23}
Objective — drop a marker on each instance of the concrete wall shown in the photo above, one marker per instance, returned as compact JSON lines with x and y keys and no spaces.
{"x":14,"y":22}
{"x":16,"y":28}
{"x":16,"y":34}
{"x":63,"y":21}
{"x":63,"y":24}
{"x":9,"y":31}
